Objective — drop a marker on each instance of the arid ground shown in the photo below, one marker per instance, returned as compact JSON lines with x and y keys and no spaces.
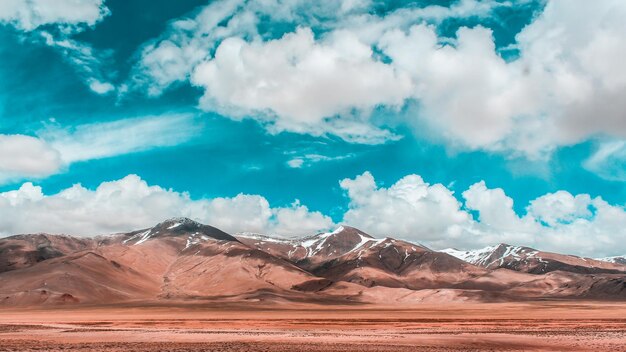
{"x":536,"y":326}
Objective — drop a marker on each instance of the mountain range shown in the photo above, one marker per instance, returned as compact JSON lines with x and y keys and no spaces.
{"x":183,"y":261}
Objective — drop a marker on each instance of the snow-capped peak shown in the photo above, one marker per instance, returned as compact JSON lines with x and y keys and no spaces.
{"x":492,"y":254}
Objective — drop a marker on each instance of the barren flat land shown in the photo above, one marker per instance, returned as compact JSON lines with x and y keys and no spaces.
{"x":536,"y":326}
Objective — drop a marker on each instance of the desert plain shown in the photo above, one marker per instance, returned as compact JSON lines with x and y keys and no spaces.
{"x":257,"y":326}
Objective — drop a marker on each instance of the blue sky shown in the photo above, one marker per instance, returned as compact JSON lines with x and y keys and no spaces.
{"x":207,"y":100}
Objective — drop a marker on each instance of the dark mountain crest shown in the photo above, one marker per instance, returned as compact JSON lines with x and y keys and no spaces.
{"x":176,"y":227}
{"x":178,"y":221}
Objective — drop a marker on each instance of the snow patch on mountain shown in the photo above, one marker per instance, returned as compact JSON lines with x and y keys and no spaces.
{"x":476,"y":256}
{"x":196,"y":238}
{"x":487,"y":256}
{"x":620,"y":259}
{"x":264,"y":238}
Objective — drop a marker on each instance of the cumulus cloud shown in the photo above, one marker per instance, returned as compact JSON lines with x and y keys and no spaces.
{"x":297,"y":83}
{"x":28,"y":15}
{"x":559,"y":221}
{"x":415,"y":210}
{"x":566,"y":86}
{"x":410,"y":208}
{"x":130,"y":204}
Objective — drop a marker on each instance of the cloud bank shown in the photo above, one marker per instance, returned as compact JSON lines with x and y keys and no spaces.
{"x":417,"y":211}
{"x":411,"y":209}
{"x":130,"y":203}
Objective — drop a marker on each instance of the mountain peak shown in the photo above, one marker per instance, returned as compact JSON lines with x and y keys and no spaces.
{"x":178,"y":221}
{"x":345,"y":231}
{"x":176,"y":227}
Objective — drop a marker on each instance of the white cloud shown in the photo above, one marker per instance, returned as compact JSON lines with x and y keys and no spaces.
{"x":172,"y":58}
{"x":130,"y":204}
{"x":566,"y":86}
{"x":253,"y":213}
{"x":465,"y":91}
{"x":89,"y":63}
{"x":410,"y":208}
{"x":295,"y":163}
{"x":106,"y":139}
{"x":307,"y":160}
{"x":53,"y":22}
{"x":28,"y":15}
{"x":101,"y":87}
{"x":561,"y":208}
{"x":26,"y":156}
{"x":430,"y":214}
{"x":298,"y":219}
{"x":55,"y":148}
{"x":557,"y":221}
{"x":297,"y":84}
{"x":495,"y":210}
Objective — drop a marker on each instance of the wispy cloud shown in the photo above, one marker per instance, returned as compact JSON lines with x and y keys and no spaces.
{"x":608,"y":161}
{"x":307,"y":160}
{"x":54,"y":23}
{"x":105,"y":139}
{"x":91,"y":65}
{"x":28,"y":15}
{"x":56,"y":147}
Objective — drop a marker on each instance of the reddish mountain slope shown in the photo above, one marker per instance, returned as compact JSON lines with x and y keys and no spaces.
{"x":85,"y":277}
{"x":177,"y":259}
{"x":22,"y":251}
{"x":180,"y":260}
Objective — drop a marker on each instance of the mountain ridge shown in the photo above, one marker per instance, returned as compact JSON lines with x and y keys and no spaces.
{"x":183,"y":260}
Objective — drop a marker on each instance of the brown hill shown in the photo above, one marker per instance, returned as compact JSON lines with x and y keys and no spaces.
{"x":22,"y":251}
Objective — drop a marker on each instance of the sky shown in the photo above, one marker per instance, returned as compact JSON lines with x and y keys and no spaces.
{"x":450,"y":123}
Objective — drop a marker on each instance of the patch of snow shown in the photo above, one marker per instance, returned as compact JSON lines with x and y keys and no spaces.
{"x":264,"y":238}
{"x":476,"y":256}
{"x":144,"y":237}
{"x":193,"y":240}
{"x":620,"y":259}
{"x":175,"y":225}
{"x":484,"y":256}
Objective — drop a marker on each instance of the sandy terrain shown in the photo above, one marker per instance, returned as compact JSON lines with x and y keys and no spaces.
{"x":545,"y":326}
